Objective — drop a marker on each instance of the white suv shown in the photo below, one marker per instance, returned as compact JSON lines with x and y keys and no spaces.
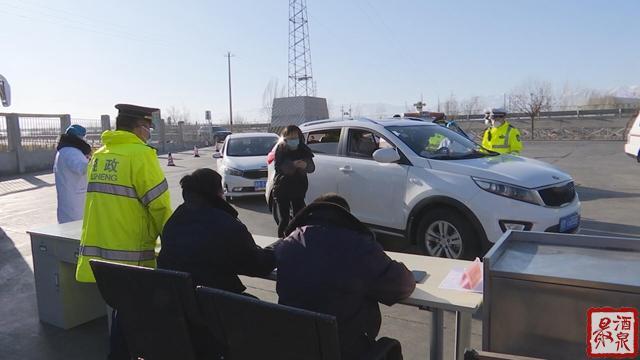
{"x":632,"y":147}
{"x":440,"y":190}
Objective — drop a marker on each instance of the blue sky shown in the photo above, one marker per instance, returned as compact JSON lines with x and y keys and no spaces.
{"x":82,"y":57}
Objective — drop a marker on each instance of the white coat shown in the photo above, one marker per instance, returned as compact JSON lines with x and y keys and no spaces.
{"x":70,"y":169}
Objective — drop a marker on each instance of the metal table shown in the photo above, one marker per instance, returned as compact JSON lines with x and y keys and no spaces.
{"x":538,"y":288}
{"x":62,"y":301}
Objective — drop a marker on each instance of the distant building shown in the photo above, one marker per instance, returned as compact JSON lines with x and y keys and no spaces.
{"x":297,"y":110}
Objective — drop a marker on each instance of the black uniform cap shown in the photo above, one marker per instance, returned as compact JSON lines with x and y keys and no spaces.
{"x":130,"y":113}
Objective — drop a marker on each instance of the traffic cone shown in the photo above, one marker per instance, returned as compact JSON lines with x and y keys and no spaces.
{"x":195,"y":151}
{"x":170,"y":161}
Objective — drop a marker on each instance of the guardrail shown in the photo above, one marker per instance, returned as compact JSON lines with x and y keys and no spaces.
{"x":618,"y":112}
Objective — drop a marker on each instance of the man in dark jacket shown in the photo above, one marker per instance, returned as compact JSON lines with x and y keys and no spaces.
{"x":331,"y":263}
{"x":205,"y":238}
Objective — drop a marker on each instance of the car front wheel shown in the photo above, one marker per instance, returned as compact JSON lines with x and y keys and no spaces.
{"x":446,"y":233}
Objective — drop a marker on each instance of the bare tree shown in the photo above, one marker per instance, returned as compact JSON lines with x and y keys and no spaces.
{"x":532,"y":98}
{"x":186,"y":114}
{"x":471,"y":106}
{"x":239,"y":119}
{"x":381,"y":111}
{"x":272,"y":91}
{"x":450,"y":107}
{"x":177,"y":115}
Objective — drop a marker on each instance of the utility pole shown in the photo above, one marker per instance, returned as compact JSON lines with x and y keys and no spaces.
{"x":228,"y":56}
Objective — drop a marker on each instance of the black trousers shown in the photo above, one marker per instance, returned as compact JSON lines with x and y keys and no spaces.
{"x":284,"y":206}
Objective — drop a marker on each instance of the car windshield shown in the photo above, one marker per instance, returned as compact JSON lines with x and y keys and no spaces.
{"x":438,"y":142}
{"x":251,"y":146}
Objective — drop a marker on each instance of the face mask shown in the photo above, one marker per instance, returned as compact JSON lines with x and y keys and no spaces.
{"x":148,"y":132}
{"x":292,"y":144}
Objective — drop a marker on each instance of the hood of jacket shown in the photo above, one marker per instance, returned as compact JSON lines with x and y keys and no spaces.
{"x":197,"y":200}
{"x":321,"y":213}
{"x":73,"y":141}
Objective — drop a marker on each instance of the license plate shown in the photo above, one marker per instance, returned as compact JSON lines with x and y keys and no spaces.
{"x":569,"y":223}
{"x":260,"y":185}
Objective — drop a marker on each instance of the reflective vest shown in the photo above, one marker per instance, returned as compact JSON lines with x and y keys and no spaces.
{"x":127,"y":204}
{"x":504,"y":139}
{"x":434,"y":141}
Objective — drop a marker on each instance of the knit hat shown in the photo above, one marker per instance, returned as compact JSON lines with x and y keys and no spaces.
{"x":76,"y":130}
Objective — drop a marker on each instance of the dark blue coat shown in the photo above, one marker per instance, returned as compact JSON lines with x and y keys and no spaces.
{"x":330,"y":263}
{"x":209,"y":242}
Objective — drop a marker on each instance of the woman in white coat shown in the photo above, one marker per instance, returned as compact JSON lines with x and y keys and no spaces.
{"x":70,"y":169}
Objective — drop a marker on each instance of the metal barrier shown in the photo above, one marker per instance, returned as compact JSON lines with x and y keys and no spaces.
{"x":94,"y":130}
{"x":39,"y":132}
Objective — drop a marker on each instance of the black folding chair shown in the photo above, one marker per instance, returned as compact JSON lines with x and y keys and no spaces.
{"x":254,"y":329}
{"x":157,"y":311}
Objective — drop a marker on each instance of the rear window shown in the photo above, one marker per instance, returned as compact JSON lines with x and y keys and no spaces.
{"x":324,"y":141}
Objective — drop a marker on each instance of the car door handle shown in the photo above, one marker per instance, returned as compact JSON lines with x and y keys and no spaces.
{"x":346,"y":169}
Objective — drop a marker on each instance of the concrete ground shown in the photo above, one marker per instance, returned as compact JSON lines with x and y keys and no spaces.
{"x":607,"y":183}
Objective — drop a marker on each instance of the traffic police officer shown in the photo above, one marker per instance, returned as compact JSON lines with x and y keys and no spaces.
{"x":127,"y":203}
{"x":127,"y":200}
{"x":500,"y":136}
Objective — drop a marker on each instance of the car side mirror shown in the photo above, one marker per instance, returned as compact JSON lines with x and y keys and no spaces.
{"x":387,"y":155}
{"x":217,"y":155}
{"x":5,"y":92}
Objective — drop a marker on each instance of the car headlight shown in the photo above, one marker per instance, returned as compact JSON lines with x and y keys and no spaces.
{"x":232,"y":171}
{"x":509,"y":191}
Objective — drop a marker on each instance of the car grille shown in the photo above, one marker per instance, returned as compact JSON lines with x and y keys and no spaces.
{"x":254,"y":174}
{"x":558,"y":195}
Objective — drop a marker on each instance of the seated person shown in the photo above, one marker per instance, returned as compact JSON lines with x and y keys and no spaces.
{"x":205,"y":238}
{"x":362,"y":144}
{"x":331,"y":263}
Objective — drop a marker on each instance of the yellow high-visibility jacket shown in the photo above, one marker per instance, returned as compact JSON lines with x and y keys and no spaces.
{"x":127,"y":204}
{"x":434,"y":141}
{"x":504,"y":139}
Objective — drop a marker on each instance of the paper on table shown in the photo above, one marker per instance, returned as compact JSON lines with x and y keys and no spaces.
{"x":452,"y":282}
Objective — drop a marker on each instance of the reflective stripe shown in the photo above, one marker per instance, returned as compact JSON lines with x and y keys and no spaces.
{"x":506,"y":140}
{"x":117,"y":255}
{"x":112,"y":189}
{"x":154,"y":193}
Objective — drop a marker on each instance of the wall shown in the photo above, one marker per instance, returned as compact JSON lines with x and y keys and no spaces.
{"x":8,"y":163}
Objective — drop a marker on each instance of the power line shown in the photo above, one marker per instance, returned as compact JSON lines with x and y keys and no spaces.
{"x":89,"y":21}
{"x":70,"y":23}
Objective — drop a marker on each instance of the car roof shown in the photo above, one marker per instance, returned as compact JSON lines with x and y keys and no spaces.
{"x":251,"y":134}
{"x":366,"y":121}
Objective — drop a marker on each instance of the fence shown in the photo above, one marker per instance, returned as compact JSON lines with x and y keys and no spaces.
{"x":28,"y":141}
{"x":39,"y":132}
{"x":94,"y":130}
{"x":578,"y":113}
